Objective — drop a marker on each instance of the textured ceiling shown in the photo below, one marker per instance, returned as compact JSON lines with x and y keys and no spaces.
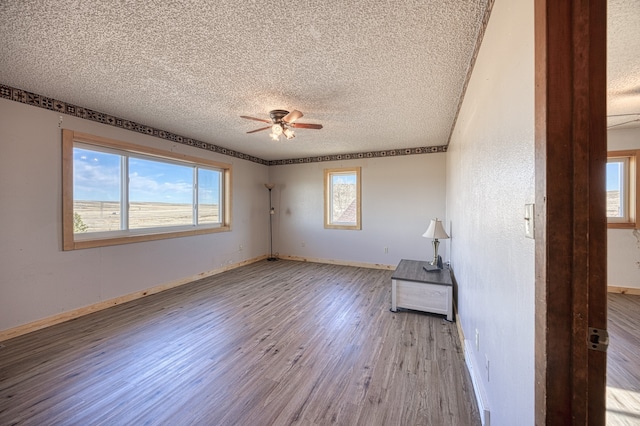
{"x":378,"y":75}
{"x":623,"y":63}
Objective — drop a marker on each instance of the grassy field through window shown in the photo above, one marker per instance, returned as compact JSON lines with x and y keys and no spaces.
{"x":101,"y":216}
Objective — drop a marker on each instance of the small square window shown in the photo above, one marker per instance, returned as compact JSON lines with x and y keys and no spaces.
{"x":342,"y":198}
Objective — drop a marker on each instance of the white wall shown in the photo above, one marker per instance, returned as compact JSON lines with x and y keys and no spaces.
{"x":623,"y":245}
{"x":399,"y":197}
{"x":39,"y":280}
{"x":490,"y":178}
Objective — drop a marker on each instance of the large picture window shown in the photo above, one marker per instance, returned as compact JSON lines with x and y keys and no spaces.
{"x":342,"y":198}
{"x":115,"y":193}
{"x":622,"y":186}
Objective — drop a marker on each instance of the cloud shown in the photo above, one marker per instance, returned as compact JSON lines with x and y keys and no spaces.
{"x":147,"y":188}
{"x":97,"y":177}
{"x":95,"y":182}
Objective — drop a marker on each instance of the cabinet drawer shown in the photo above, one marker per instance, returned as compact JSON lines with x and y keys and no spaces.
{"x":423,"y":297}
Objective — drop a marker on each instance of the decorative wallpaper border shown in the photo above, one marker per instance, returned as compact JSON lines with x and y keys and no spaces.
{"x":34,"y":99}
{"x":359,"y":155}
{"x":29,"y":98}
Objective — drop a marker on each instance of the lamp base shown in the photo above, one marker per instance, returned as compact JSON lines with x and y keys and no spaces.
{"x":272,"y":259}
{"x":430,"y":268}
{"x":435,"y":261}
{"x":436,"y":264}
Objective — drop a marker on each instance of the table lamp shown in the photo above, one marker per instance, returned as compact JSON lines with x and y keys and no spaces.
{"x":435,"y":231}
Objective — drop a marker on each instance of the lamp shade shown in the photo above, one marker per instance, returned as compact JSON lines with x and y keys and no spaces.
{"x":435,"y":230}
{"x":269,"y":186}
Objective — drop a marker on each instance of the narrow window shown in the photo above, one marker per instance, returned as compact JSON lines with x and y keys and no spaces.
{"x":97,"y":189}
{"x":621,"y":186}
{"x":342,"y":198}
{"x":209,"y":201}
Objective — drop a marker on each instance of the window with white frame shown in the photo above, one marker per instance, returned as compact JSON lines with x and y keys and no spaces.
{"x":342,"y":198}
{"x":621,"y":187}
{"x":115,"y":193}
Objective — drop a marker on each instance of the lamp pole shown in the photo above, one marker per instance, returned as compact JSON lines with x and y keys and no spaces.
{"x":271,"y":257}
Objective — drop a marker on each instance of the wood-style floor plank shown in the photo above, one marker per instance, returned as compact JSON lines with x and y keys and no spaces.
{"x":623,"y":360}
{"x":272,"y":343}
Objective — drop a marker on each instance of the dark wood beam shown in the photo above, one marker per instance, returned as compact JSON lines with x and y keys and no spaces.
{"x":570,"y":209}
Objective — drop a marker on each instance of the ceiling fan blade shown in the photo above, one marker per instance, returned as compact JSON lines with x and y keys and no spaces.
{"x":306,"y":126}
{"x":260,"y":129}
{"x":292,"y":116}
{"x":623,"y":115}
{"x":623,"y":123}
{"x":256,"y":119}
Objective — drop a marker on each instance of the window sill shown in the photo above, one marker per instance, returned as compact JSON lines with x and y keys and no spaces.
{"x":113,"y":241}
{"x":621,"y":225}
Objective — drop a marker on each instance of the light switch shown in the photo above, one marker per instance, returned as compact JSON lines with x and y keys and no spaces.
{"x":528,"y":220}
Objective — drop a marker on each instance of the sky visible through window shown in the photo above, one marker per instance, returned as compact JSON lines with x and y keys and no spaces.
{"x":614,"y":174}
{"x":97,"y":178}
{"x":344,"y":178}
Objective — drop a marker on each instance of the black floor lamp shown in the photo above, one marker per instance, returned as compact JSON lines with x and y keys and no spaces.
{"x":272,"y":211}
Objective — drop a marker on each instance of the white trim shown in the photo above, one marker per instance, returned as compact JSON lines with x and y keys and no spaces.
{"x":481,"y":396}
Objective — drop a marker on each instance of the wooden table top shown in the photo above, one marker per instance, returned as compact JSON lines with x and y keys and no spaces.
{"x":412,"y":270}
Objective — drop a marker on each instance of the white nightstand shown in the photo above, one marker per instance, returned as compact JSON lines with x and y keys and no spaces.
{"x":412,"y":287}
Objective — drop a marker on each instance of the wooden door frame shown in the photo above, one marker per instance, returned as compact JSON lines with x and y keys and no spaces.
{"x":571,"y":152}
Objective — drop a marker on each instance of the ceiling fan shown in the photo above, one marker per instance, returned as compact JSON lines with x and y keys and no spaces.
{"x":282,"y":123}
{"x":636,"y":114}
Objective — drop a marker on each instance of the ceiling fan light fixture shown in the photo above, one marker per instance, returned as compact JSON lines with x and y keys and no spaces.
{"x":276,"y":129}
{"x":274,"y":136}
{"x":289,"y":134}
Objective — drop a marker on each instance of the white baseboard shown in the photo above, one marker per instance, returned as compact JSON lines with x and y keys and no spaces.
{"x":481,"y":397}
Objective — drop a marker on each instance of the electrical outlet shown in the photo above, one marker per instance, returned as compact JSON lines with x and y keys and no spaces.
{"x":240,"y":247}
{"x":304,"y":244}
{"x":477,"y":340}
{"x":386,"y":250}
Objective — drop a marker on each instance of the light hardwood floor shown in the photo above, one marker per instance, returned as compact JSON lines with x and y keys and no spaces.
{"x":272,"y":343}
{"x":623,"y":360}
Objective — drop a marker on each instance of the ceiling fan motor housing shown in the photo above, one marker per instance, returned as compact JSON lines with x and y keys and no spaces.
{"x":277,"y":115}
